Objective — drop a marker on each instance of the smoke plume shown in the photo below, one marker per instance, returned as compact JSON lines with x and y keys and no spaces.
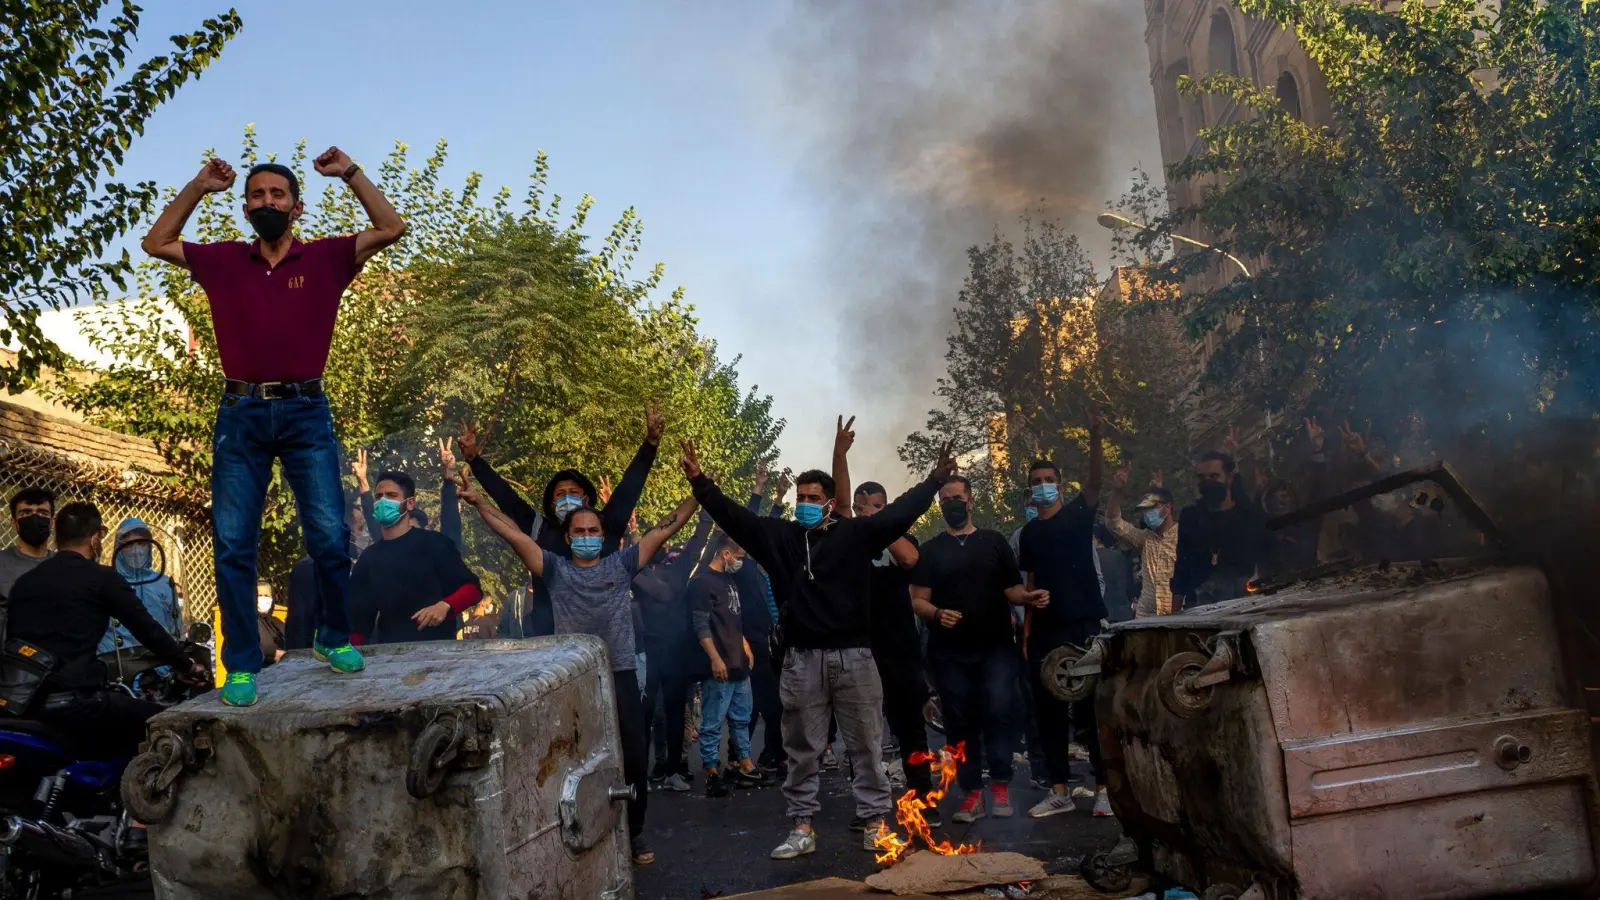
{"x":935,"y":122}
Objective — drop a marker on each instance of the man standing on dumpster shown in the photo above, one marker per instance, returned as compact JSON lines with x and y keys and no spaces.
{"x":821,"y":571}
{"x":273,"y":305}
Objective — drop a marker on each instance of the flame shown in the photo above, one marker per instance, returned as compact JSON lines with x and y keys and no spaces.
{"x":1250,"y":587}
{"x":908,"y":811}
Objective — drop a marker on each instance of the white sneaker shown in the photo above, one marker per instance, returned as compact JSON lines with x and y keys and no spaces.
{"x":799,"y":843}
{"x":1053,"y":804}
{"x":1079,"y":792}
{"x":1102,"y":806}
{"x":870,"y":834}
{"x":675,"y":782}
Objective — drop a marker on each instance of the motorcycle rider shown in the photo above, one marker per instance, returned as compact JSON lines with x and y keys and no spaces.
{"x":64,"y":606}
{"x":135,"y":563}
{"x":32,"y":510}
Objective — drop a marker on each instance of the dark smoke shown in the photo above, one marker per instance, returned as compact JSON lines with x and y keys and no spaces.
{"x":936,"y":122}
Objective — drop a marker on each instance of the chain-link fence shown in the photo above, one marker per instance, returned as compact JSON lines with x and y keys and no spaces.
{"x":180,"y":524}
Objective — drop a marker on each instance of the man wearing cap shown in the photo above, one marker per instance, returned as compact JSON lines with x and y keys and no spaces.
{"x":273,"y":304}
{"x":1156,"y":539}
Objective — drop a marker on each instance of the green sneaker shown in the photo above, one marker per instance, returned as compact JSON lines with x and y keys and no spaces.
{"x":343,"y":658}
{"x":240,"y":689}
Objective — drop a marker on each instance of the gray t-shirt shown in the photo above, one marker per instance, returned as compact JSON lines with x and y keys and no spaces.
{"x":595,"y":600}
{"x":13,"y":563}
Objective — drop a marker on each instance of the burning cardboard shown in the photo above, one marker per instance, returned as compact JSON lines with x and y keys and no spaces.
{"x":909,"y":811}
{"x":933,"y":873}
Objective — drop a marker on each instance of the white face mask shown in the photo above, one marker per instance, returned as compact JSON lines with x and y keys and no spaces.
{"x":264,"y":604}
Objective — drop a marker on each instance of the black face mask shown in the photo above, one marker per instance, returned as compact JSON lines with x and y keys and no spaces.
{"x":34,"y":530}
{"x":269,"y":222}
{"x":954,"y":511}
{"x":1213,"y":494}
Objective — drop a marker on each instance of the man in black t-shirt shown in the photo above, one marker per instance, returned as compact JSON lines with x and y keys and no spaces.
{"x":895,"y":646}
{"x":1057,"y":552}
{"x":964,"y":584}
{"x":412,"y":585}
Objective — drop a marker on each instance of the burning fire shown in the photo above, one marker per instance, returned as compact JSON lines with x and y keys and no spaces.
{"x":908,"y":811}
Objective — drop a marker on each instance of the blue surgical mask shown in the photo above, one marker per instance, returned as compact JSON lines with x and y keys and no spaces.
{"x":1030,"y":513}
{"x":587,"y":546}
{"x":808,"y":514}
{"x":387,"y":511}
{"x":1046,"y":494}
{"x":1153,"y":517}
{"x":566,"y":503}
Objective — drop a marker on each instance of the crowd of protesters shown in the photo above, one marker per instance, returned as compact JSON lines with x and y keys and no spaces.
{"x":771,"y":634}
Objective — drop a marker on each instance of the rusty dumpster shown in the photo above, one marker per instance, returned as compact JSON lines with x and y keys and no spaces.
{"x":446,"y":770}
{"x":1405,"y":730}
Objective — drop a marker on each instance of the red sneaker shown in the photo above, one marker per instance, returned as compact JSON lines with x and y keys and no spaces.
{"x":1000,"y":801}
{"x":971,"y":809}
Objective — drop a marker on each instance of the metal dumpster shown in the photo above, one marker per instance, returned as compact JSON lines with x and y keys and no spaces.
{"x":470,"y":769}
{"x":1403,"y":730}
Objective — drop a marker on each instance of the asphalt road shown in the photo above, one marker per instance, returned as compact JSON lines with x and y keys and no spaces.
{"x":717,"y":847}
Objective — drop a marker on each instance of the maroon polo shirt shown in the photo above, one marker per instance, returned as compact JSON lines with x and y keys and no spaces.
{"x":274,"y":324}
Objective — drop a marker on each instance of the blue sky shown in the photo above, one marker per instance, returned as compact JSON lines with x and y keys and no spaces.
{"x":676,"y":108}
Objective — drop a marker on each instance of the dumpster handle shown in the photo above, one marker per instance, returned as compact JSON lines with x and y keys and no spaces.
{"x":1439,"y":473}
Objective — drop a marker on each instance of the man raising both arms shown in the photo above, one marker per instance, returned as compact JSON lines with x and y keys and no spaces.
{"x":273,"y":304}
{"x":821,"y":571}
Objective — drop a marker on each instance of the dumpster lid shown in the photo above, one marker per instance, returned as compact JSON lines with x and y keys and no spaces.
{"x":510,"y":673}
{"x":1331,"y":593}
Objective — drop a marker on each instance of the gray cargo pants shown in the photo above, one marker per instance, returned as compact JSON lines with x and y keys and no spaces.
{"x":815,"y":685}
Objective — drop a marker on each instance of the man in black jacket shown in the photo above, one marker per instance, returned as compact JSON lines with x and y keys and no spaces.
{"x":1222,"y":540}
{"x":821,"y":571}
{"x":65,"y":604}
{"x":566,"y":491}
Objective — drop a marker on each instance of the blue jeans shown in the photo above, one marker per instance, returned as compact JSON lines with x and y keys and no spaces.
{"x":977,"y":694}
{"x":250,"y":434}
{"x":720,"y":700}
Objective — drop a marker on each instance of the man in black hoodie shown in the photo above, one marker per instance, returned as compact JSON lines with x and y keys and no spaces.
{"x":821,"y":572}
{"x":566,"y":491}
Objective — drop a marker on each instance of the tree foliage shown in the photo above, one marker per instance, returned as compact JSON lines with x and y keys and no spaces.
{"x":1428,"y":263}
{"x":1036,"y":340}
{"x":73,"y":104}
{"x":483,"y":310}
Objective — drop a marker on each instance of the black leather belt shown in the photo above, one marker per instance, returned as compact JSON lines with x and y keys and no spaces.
{"x":61,"y":700}
{"x":273,"y":390}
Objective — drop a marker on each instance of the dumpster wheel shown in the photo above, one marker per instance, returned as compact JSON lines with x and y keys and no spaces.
{"x":145,"y":801}
{"x":431,"y":756}
{"x":1098,"y":870}
{"x":1055,"y":674}
{"x":1174,"y":685}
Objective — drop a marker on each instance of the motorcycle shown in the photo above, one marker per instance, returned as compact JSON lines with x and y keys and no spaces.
{"x":64,"y":829}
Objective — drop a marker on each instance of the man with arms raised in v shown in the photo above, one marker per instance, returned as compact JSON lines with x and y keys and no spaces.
{"x":273,"y":304}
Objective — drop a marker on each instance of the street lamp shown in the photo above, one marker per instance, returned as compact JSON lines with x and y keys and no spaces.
{"x":1115,"y":222}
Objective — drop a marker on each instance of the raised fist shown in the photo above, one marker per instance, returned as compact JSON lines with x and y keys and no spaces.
{"x":333,"y":162}
{"x":215,"y":176}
